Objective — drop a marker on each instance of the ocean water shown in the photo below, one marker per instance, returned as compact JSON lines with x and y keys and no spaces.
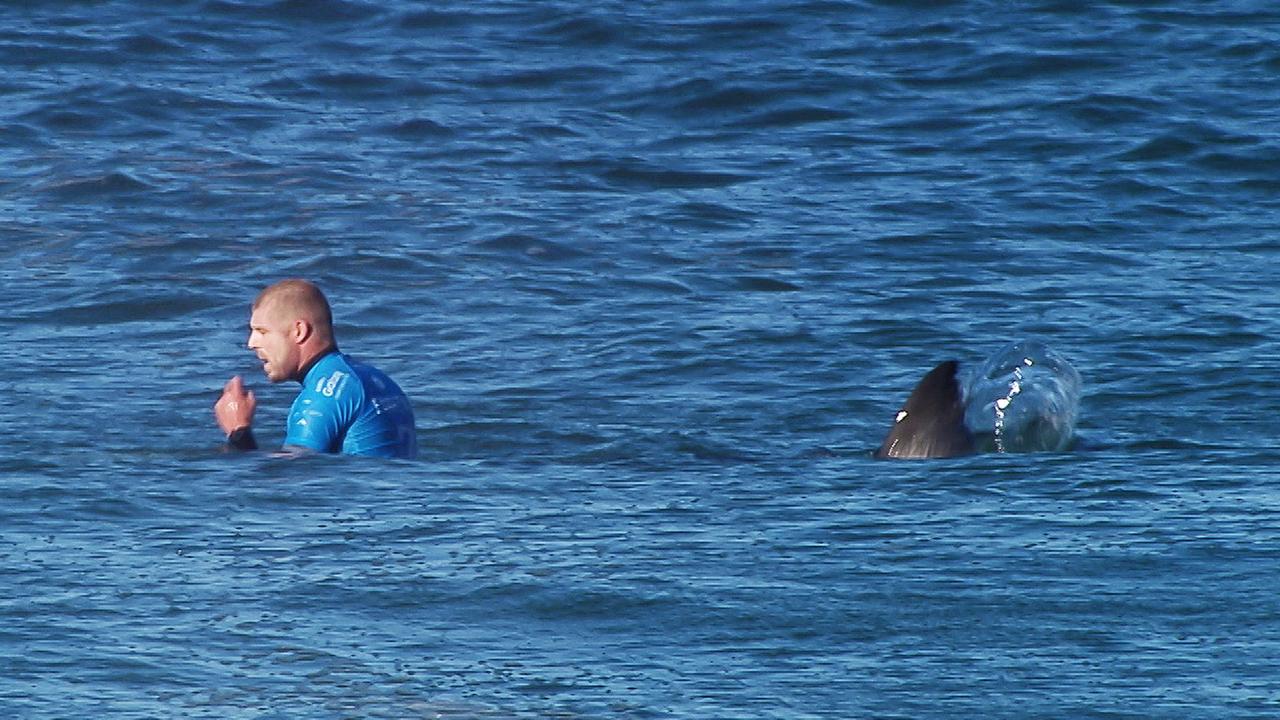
{"x":656,"y":276}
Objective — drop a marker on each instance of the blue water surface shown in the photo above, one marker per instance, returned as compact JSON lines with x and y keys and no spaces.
{"x":656,"y":276}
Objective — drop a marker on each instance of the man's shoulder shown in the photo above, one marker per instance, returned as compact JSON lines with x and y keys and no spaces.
{"x":335,"y":377}
{"x":373,"y":379}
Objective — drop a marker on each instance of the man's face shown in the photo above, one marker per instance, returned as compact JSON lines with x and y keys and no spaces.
{"x":271,"y":338}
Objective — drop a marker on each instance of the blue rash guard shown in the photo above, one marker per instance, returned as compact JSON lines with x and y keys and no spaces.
{"x":352,"y":408}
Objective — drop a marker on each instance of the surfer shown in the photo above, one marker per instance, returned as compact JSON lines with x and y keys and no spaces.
{"x":345,"y":406}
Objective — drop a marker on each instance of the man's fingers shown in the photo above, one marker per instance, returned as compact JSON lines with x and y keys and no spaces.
{"x":234,"y":409}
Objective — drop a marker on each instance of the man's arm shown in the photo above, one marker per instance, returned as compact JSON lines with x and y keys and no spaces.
{"x":234,"y":411}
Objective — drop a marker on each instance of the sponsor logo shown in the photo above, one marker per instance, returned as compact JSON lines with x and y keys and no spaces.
{"x":327,"y":387}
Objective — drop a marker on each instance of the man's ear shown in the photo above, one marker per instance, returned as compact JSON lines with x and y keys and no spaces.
{"x":301,"y":331}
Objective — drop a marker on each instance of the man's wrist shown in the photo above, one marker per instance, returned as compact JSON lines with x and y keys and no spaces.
{"x":242,"y":439}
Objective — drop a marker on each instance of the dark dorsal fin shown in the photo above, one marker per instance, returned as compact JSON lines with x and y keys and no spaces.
{"x":931,"y":423}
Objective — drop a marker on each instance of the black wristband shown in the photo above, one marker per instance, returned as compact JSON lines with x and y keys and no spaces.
{"x":242,"y":439}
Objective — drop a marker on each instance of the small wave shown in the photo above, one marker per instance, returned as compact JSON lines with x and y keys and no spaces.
{"x":148,"y":45}
{"x":20,"y":131}
{"x":1023,"y":66}
{"x":633,"y":174}
{"x":529,"y":247}
{"x":708,"y":216}
{"x":359,"y":85}
{"x":1262,"y":188}
{"x":583,"y":604}
{"x":545,"y":78}
{"x":1109,"y":489}
{"x":1134,"y":187}
{"x":734,"y":30}
{"x":348,"y":82}
{"x":1258,"y":162}
{"x":657,"y":285}
{"x":585,"y":32}
{"x":435,"y":19}
{"x":700,"y":99}
{"x":704,"y":96}
{"x":143,"y":307}
{"x":108,"y":508}
{"x":1108,"y":110}
{"x":662,"y":450}
{"x":296,"y":11}
{"x":417,"y":129}
{"x":63,"y":120}
{"x":756,"y":283}
{"x":793,"y":117}
{"x":88,"y":188}
{"x":1165,"y":147}
{"x":1163,"y":446}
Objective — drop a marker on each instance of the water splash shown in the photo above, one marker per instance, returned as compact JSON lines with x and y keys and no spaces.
{"x":1023,"y":399}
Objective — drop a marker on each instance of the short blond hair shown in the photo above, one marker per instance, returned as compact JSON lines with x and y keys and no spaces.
{"x":300,"y":298}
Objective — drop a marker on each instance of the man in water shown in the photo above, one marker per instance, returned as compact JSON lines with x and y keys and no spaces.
{"x":345,"y":406}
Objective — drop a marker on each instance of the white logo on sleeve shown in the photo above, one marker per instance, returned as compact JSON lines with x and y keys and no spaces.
{"x":327,"y":386}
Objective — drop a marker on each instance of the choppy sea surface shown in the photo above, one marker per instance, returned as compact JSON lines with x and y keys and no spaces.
{"x":656,"y":276}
